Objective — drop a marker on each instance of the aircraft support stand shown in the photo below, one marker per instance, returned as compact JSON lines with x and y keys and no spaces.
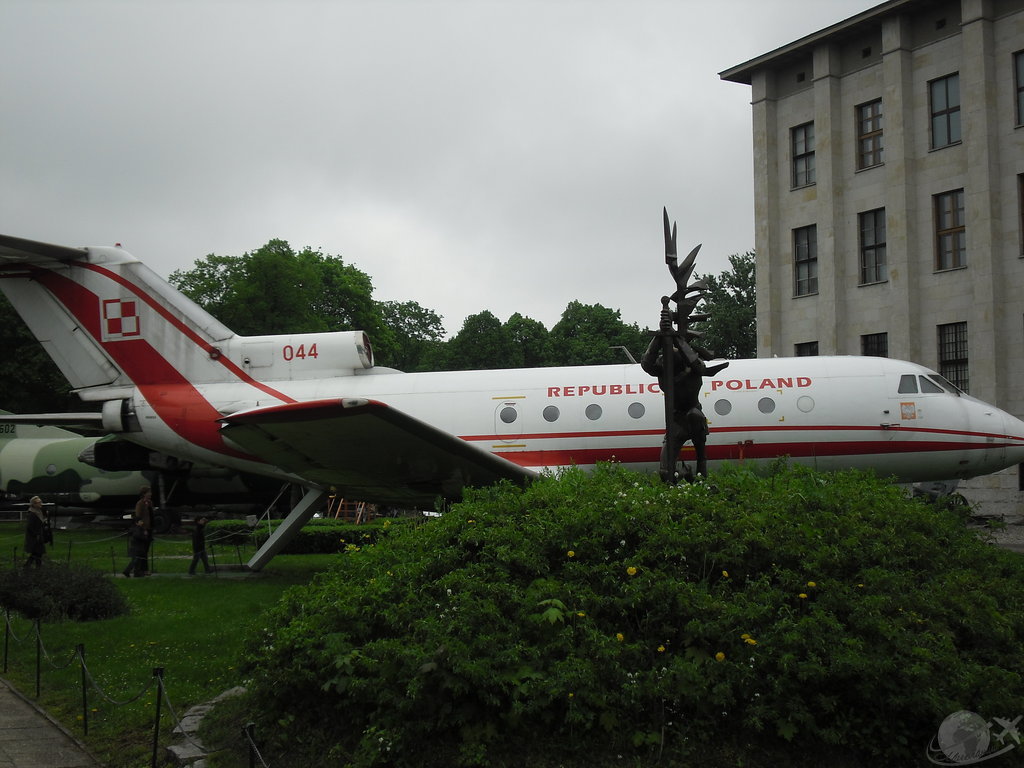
{"x":311,"y":501}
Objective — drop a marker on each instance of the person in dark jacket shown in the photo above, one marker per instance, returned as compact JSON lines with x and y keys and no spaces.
{"x":199,"y":547}
{"x":138,"y":546}
{"x":35,"y":533}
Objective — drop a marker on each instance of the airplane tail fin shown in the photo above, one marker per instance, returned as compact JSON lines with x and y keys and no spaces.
{"x":106,"y":319}
{"x":112,"y":324}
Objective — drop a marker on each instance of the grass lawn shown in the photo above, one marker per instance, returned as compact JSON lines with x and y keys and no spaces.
{"x":192,"y":627}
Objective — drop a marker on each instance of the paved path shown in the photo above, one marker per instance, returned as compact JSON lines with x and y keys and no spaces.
{"x":29,"y":738}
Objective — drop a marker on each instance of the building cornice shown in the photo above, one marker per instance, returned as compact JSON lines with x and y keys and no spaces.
{"x":743,"y":73}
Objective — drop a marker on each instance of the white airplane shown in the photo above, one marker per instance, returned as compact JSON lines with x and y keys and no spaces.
{"x":312,"y":409}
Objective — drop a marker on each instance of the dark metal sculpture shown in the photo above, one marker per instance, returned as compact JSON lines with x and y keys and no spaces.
{"x":679,"y":365}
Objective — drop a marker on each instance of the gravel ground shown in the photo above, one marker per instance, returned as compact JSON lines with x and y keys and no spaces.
{"x":1010,"y":537}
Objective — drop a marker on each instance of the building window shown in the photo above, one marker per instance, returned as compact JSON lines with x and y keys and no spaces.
{"x":869,"y":134}
{"x":875,"y":344}
{"x":953,"y":354}
{"x":872,"y":246}
{"x":806,"y":349}
{"x":803,"y":155}
{"x":950,"y":231}
{"x":805,"y":260}
{"x":1018,"y":66}
{"x":944,"y":95}
{"x":1020,"y":211}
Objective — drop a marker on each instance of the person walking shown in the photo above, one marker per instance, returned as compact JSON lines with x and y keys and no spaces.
{"x":199,"y":547}
{"x":35,"y":533}
{"x":144,"y":512}
{"x":138,"y":546}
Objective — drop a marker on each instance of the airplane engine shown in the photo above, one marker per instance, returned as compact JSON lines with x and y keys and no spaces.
{"x":115,"y":455}
{"x":118,"y":416}
{"x":302,"y":356}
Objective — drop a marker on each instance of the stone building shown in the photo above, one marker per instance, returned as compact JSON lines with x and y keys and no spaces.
{"x":889,"y":197}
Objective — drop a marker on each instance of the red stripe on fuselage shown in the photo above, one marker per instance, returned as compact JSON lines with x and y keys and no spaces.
{"x":191,"y":335}
{"x":652,"y":454}
{"x":175,"y":399}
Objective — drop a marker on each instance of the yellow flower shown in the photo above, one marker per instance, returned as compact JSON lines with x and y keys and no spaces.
{"x":811,"y":584}
{"x":745,"y":636}
{"x":572,"y":695}
{"x":750,"y":641}
{"x":631,"y":570}
{"x":570,"y":553}
{"x":661,"y":649}
{"x":719,"y":656}
{"x":619,"y":636}
{"x":581,"y":614}
{"x":725,"y":574}
{"x":803,"y":595}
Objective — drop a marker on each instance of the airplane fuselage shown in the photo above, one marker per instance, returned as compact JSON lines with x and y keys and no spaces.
{"x":827,"y":412}
{"x":313,"y":409}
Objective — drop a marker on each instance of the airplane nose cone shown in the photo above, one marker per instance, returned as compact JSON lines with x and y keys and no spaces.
{"x":1014,"y":431}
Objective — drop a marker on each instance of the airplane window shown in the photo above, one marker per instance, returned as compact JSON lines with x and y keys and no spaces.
{"x":508,"y":414}
{"x":805,"y":404}
{"x":908,"y":384}
{"x":551,"y":413}
{"x":723,"y":407}
{"x":766,"y":405}
{"x":945,"y":383}
{"x":636,"y":410}
{"x":594,"y":412}
{"x":929,"y":386}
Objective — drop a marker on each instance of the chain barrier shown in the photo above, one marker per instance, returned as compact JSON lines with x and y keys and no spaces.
{"x":103,"y":695}
{"x":9,"y":626}
{"x":89,"y":682}
{"x":254,"y":751}
{"x":46,"y":655}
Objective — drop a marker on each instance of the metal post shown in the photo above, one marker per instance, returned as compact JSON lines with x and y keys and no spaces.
{"x":39,"y":657}
{"x":251,"y":745}
{"x":7,"y":634}
{"x":158,"y":673}
{"x":85,"y":688}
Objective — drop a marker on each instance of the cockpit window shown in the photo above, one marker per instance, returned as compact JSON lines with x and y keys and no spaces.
{"x":945,"y":383}
{"x":908,"y":384}
{"x":930,"y":387}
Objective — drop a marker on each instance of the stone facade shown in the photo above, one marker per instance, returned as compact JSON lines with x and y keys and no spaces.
{"x":943,"y":80}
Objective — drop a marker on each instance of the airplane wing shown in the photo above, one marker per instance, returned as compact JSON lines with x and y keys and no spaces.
{"x":367,"y":450}
{"x":15,"y":250}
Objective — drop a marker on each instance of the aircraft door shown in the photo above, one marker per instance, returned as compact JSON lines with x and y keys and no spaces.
{"x":508,"y":420}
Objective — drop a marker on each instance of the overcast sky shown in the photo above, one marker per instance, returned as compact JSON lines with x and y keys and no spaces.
{"x":507,"y":155}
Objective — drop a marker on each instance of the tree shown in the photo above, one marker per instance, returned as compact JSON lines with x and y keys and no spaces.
{"x":590,"y":334}
{"x":731,"y":330}
{"x":530,"y":341}
{"x":31,"y":381}
{"x":483,"y":343}
{"x":410,"y":337}
{"x":275,"y":290}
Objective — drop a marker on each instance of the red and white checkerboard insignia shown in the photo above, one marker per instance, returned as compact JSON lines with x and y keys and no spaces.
{"x":120,"y":319}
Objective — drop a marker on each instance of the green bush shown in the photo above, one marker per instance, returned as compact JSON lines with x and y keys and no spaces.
{"x":596,"y":619}
{"x":55,"y":592}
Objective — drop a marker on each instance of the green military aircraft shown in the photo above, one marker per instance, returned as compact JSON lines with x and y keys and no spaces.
{"x":63,"y":468}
